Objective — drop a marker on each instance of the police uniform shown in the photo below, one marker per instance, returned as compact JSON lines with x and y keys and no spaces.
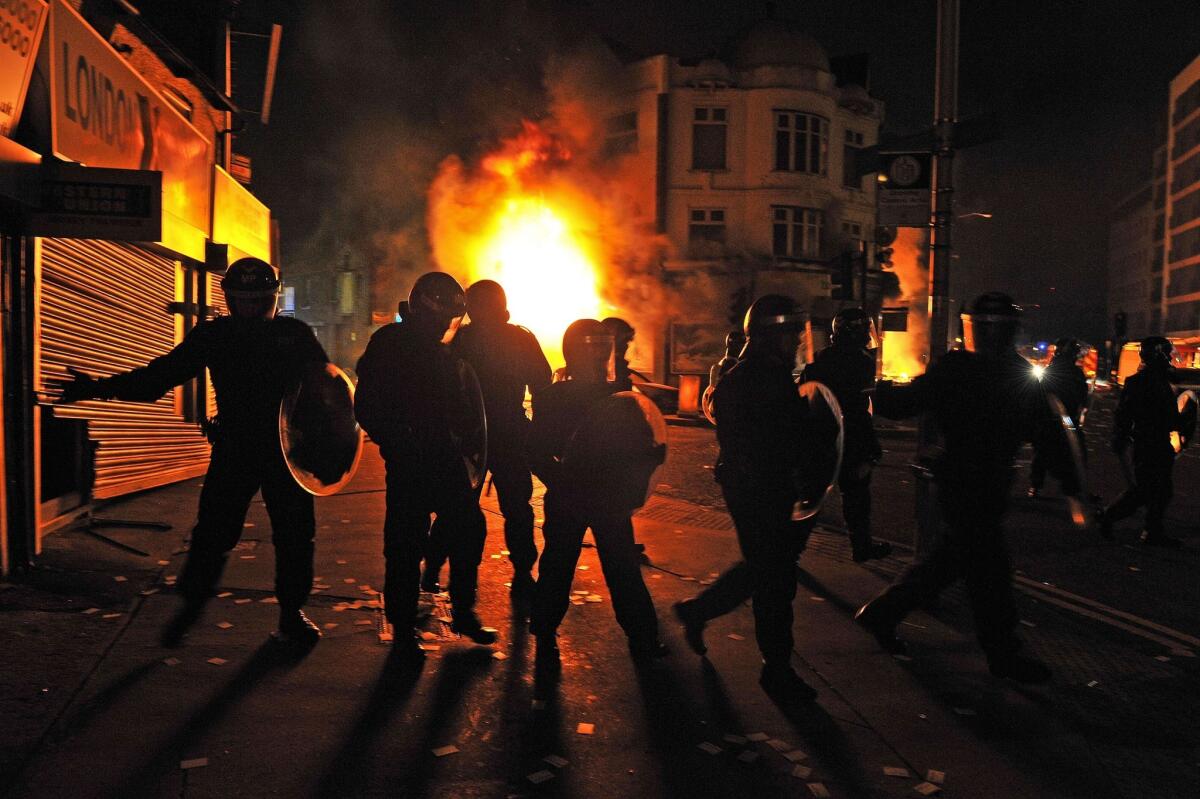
{"x":408,"y":395}
{"x":254,"y":363}
{"x":507,"y":359}
{"x":558,"y":410}
{"x":1065,"y":380}
{"x":1147,"y":414}
{"x":849,"y":371}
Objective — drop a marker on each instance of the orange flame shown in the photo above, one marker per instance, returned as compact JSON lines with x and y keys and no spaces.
{"x":904,"y":353}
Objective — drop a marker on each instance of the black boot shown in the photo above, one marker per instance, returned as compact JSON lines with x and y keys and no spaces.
{"x":1019,"y":667}
{"x":782,"y":683}
{"x":523,"y":586}
{"x":693,"y":627}
{"x":296,"y":629}
{"x":468,"y":624}
{"x":645,"y":650}
{"x":172,"y":635}
{"x":429,"y":581}
{"x":547,"y":661}
{"x":872,"y":551}
{"x":871,"y":617}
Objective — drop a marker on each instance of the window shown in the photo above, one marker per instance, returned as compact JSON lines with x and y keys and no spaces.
{"x":801,"y":142}
{"x":709,"y":126}
{"x":621,"y":135}
{"x":850,"y":177}
{"x":797,"y":231}
{"x":706,"y":232}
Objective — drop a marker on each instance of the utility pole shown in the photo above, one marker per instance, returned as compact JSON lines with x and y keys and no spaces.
{"x":945,"y":115}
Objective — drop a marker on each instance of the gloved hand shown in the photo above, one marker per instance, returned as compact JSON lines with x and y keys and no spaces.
{"x":80,"y":387}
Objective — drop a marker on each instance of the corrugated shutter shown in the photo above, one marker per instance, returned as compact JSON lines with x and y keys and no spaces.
{"x":103,"y":310}
{"x":216,"y":300}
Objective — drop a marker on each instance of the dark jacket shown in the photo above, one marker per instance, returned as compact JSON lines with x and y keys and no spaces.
{"x":759,"y":424}
{"x":1147,"y":413}
{"x":253,"y":362}
{"x":849,"y":371}
{"x":558,"y":410}
{"x":507,"y":359}
{"x":1066,"y":381}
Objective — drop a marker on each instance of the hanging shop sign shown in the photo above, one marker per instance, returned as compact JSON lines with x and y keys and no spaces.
{"x":904,"y":189}
{"x":239,"y":219}
{"x":79,"y":202}
{"x":106,"y":115}
{"x":21,"y":23}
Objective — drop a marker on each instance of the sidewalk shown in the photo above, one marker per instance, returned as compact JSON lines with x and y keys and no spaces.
{"x":91,"y":706}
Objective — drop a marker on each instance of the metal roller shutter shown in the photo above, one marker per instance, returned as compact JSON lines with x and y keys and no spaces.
{"x":216,"y":301}
{"x":103,"y":311}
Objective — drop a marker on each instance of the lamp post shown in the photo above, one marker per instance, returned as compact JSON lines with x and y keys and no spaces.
{"x":945,"y":116}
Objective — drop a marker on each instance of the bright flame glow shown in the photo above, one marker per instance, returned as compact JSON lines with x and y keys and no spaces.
{"x":1039,"y":371}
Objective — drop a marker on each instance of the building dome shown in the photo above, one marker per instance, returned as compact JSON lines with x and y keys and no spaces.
{"x":712,"y":72}
{"x":771,"y":44}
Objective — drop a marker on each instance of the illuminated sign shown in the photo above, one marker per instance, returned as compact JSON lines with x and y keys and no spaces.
{"x":21,"y":24}
{"x":239,"y":219}
{"x":81,"y":202}
{"x":105,"y":114}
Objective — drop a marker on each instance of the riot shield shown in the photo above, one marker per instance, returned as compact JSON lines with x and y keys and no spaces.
{"x":468,"y":423}
{"x":611,"y":463}
{"x":1066,"y":450}
{"x":1187,"y":404}
{"x":320,"y":440}
{"x":706,"y":403}
{"x":822,"y":457}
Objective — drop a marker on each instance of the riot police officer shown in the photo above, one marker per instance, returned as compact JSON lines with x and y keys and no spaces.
{"x":622,"y":333}
{"x":984,"y":407}
{"x":558,"y":411}
{"x":507,"y":360}
{"x":735,"y":340}
{"x":1064,"y":379}
{"x":1146,"y":416}
{"x":410,"y":400}
{"x":760,"y":419}
{"x":848,"y":368}
{"x":255,"y":358}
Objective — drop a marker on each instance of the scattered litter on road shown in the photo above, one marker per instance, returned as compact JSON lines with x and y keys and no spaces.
{"x":736,"y":637}
{"x":90,"y":611}
{"x":164,"y":563}
{"x":914,"y":624}
{"x":779,"y":746}
{"x":818,"y":789}
{"x":224,"y":625}
{"x":583,"y":568}
{"x":217,"y":661}
{"x":428,"y":636}
{"x":926,"y":789}
{"x":442,"y":751}
{"x":903,"y":658}
{"x":593,"y":598}
{"x":1091,"y":684}
{"x":757,"y":736}
{"x":495,"y":557}
{"x":430,"y":647}
{"x":224,"y":595}
{"x":363,"y":622}
{"x":802,"y":772}
{"x":110,"y":615}
{"x":248,"y":557}
{"x":248,"y":524}
{"x":895,"y":771}
{"x":581,"y":591}
{"x":349,"y":580}
{"x":322,"y":586}
{"x":1028,"y":623}
{"x":149,"y":592}
{"x":538,"y":777}
{"x":341,"y":562}
{"x":688,"y":579}
{"x":1183,"y":653}
{"x":965,"y":711}
{"x":1134,"y":569}
{"x":1162,"y":659}
{"x":935,"y":776}
{"x":120,"y":579}
{"x":795,"y":756}
{"x":656,"y":576}
{"x":711,"y":748}
{"x":817,"y":599}
{"x":498,"y":655}
{"x":242,"y":601}
{"x":556,"y":761}
{"x":740,"y":740}
{"x":584,"y":728}
{"x":330,"y":625}
{"x":195,"y":762}
{"x":172,"y":661}
{"x":749,"y":756}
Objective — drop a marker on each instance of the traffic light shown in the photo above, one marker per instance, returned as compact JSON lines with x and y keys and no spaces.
{"x":883,"y":256}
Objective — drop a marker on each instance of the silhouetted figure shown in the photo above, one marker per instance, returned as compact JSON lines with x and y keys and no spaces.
{"x":985,"y":406}
{"x":558,"y":411}
{"x":1064,"y":379}
{"x":1146,"y":415}
{"x":847,"y":366}
{"x":507,"y":359}
{"x":760,"y":420}
{"x":622,"y":333}
{"x":412,"y":402}
{"x":255,"y":358}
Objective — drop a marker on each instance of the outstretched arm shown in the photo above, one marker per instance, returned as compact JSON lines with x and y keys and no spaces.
{"x":146,"y":383}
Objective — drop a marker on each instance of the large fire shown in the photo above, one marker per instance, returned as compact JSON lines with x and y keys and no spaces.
{"x":521,"y":220}
{"x":905,"y":353}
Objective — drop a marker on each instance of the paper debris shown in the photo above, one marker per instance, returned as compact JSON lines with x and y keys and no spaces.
{"x":120,"y":579}
{"x":538,"y":777}
{"x":1162,"y":659}
{"x":577,"y":602}
{"x":593,"y":598}
{"x":217,"y":661}
{"x":817,"y":599}
{"x":428,"y":636}
{"x":583,"y":568}
{"x":895,"y":771}
{"x":779,"y":746}
{"x":749,"y":756}
{"x":224,"y":625}
{"x":224,"y":595}
{"x":556,"y":761}
{"x":795,"y":756}
{"x":740,"y":740}
{"x":965,"y":711}
{"x":110,"y":615}
{"x":364,"y":588}
{"x":818,"y":789}
{"x":345,"y":521}
{"x":903,"y":658}
{"x":935,"y":776}
{"x":757,"y":736}
{"x":330,"y":625}
{"x":1183,"y":653}
{"x":429,"y":647}
{"x":90,"y":611}
{"x":340,"y":562}
{"x":363,"y":622}
{"x":1134,"y":569}
{"x":172,"y":661}
{"x":195,"y":762}
{"x":656,"y":576}
{"x":322,"y":586}
{"x":1091,"y":684}
{"x":495,"y":557}
{"x":926,"y":789}
{"x":582,"y":591}
{"x":164,"y":563}
{"x":584,"y":728}
{"x":736,"y":637}
{"x":1028,"y":623}
{"x":802,"y":772}
{"x":914,"y":624}
{"x":442,"y":751}
{"x":248,"y":557}
{"x":149,"y":592}
{"x":688,"y":579}
{"x":498,"y":655}
{"x":242,"y":601}
{"x":349,"y":580}
{"x":711,"y":748}
{"x":248,"y":524}
{"x":538,"y":704}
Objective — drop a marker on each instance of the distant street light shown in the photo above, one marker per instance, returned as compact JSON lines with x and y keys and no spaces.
{"x":979,"y":214}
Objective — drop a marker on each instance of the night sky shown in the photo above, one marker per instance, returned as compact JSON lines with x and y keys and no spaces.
{"x":373,"y":94}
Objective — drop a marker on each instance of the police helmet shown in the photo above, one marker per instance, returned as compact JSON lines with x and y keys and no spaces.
{"x":1156,"y":350}
{"x":250,"y":278}
{"x":486,"y":301}
{"x":772,"y":312}
{"x":621,"y":331}
{"x":853,"y":327}
{"x":990,"y":323}
{"x":586,"y":344}
{"x":438,"y":296}
{"x":1068,"y":348}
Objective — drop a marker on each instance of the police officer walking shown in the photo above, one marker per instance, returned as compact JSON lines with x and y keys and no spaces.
{"x":848,"y":368}
{"x":507,"y":359}
{"x":255,"y":358}
{"x":408,"y":400}
{"x":558,"y":411}
{"x":1064,"y":379}
{"x":760,"y":418}
{"x":985,"y":407}
{"x":1146,"y":416}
